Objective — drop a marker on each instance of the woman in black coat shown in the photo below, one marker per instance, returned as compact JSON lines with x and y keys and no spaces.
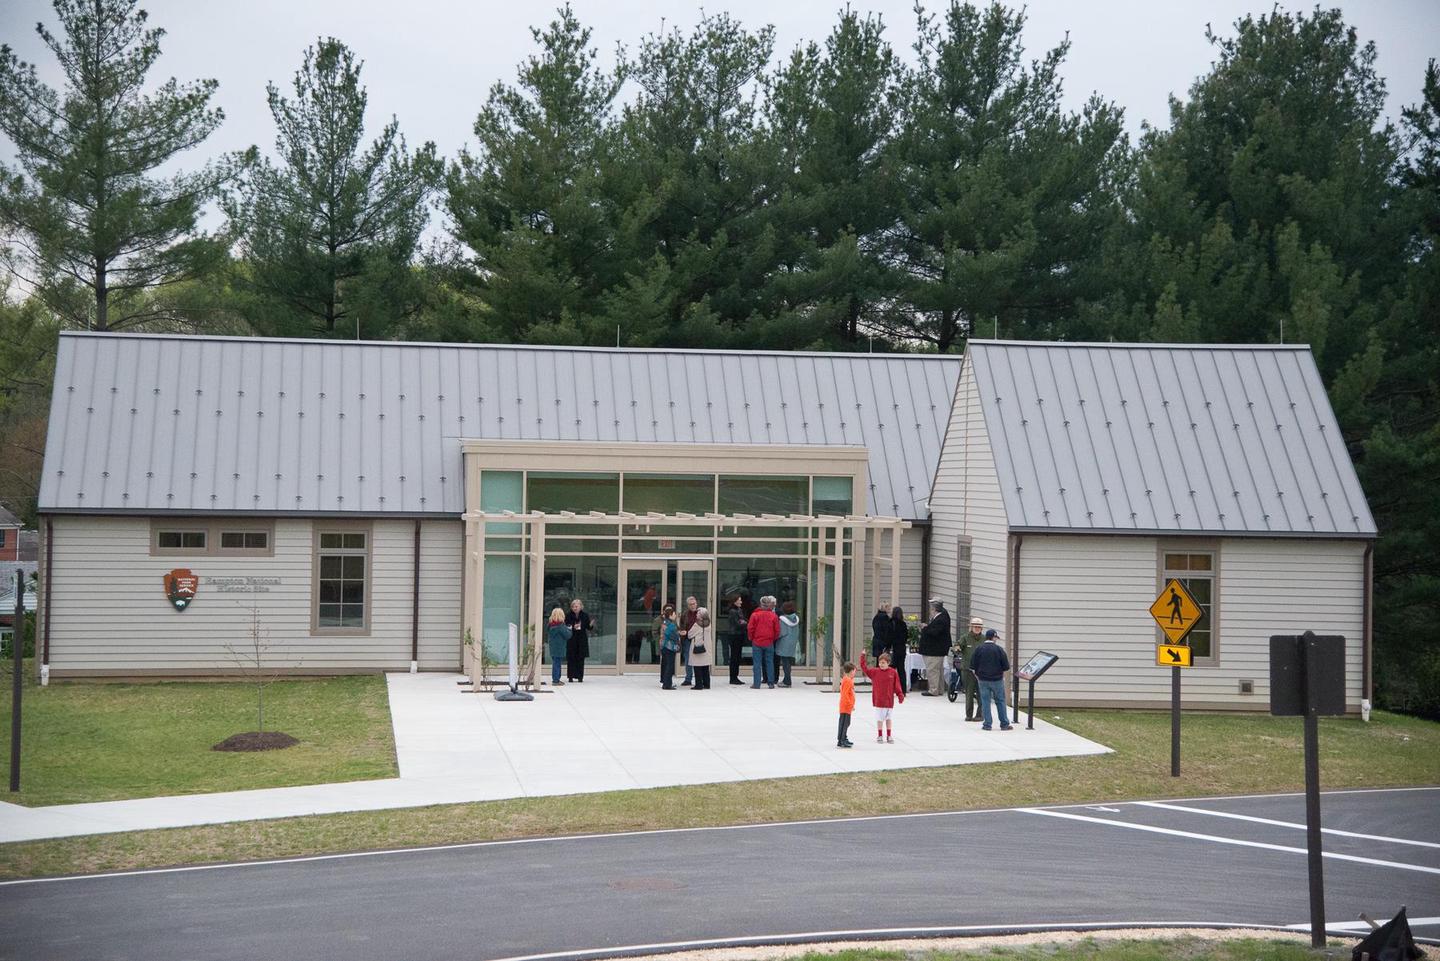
{"x":578,"y":647}
{"x":899,"y":635}
{"x":737,"y":636}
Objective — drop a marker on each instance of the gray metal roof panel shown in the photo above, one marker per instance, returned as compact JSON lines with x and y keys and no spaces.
{"x":143,"y":422}
{"x":1170,"y":438}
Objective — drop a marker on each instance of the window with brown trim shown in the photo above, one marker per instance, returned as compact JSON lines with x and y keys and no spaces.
{"x":244,"y":541}
{"x":1196,"y":570}
{"x":189,"y":540}
{"x":342,"y":594}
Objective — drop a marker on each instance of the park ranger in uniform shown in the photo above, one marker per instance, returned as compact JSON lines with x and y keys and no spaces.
{"x":964,"y":646}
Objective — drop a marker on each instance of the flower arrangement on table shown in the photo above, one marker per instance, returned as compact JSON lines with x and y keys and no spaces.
{"x":912,"y":630}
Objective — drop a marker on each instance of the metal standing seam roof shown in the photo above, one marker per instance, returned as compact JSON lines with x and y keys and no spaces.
{"x":1167,"y":438}
{"x":152,"y":423}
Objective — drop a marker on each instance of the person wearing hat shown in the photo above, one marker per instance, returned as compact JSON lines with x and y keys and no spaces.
{"x":934,"y":645}
{"x":989,"y":663}
{"x":960,"y":655}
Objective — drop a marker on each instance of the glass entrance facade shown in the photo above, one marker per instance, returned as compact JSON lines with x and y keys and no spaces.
{"x":624,"y":574}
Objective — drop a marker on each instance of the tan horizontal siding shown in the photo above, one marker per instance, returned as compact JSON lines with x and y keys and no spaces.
{"x":965,"y":500}
{"x":1086,"y":598}
{"x":110,"y":612}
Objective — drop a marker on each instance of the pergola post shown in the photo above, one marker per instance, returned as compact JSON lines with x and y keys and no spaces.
{"x":475,"y":593}
{"x":537,"y":596}
{"x":837,"y":564}
{"x":895,"y":568}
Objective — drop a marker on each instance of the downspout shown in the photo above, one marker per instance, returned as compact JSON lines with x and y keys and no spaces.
{"x":49,"y":569}
{"x":924,"y":568}
{"x":1367,"y":613}
{"x":415,"y":608}
{"x":1015,"y":541}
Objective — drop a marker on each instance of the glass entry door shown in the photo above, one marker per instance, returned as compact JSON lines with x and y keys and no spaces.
{"x":647,"y":586}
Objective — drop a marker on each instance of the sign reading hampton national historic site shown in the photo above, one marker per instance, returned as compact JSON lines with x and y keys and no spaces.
{"x":180,"y":586}
{"x":242,"y":585}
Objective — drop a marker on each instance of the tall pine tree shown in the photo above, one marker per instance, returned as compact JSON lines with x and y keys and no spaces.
{"x":529,"y":203}
{"x":1003,"y":191}
{"x":332,"y":226}
{"x":832,"y":114}
{"x":98,"y":227}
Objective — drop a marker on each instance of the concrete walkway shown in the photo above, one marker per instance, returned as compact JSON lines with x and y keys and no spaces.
{"x":610,"y":733}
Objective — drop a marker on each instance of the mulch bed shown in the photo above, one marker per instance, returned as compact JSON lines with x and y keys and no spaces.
{"x":256,"y":741}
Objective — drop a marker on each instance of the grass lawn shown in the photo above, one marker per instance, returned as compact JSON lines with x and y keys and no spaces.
{"x":1222,"y":754}
{"x":1102,"y":949}
{"x":101,"y":742}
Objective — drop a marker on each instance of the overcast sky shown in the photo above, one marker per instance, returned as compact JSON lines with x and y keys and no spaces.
{"x":431,"y":62}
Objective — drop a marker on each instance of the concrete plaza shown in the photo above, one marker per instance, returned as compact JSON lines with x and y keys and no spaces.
{"x":608,"y":734}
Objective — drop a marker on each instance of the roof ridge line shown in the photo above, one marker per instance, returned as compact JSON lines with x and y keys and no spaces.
{"x":467,"y":345}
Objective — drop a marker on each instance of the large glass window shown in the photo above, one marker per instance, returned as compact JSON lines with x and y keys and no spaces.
{"x":751,"y":578}
{"x":833,"y":495}
{"x":502,"y":490}
{"x":1196,"y":570}
{"x":739,"y":494}
{"x":341,"y":582}
{"x":670,"y":493}
{"x":579,"y":492}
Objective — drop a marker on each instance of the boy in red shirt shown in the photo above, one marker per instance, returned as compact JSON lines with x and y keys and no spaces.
{"x":847,"y":705}
{"x":884,"y":689}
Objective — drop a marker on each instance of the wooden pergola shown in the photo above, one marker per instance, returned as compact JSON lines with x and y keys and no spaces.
{"x":830,"y":535}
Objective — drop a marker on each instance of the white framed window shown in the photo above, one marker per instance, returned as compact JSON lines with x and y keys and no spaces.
{"x":342,"y":581}
{"x":1197,"y":569}
{"x":964,"y":568}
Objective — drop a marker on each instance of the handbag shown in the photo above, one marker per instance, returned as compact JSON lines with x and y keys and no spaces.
{"x":699,"y":646}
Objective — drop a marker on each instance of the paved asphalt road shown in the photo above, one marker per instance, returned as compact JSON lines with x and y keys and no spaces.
{"x":1126,"y":863}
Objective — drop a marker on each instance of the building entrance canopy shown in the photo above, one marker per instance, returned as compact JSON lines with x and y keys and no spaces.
{"x":830,"y":532}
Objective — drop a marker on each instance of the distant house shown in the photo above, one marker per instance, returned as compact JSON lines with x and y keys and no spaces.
{"x":10,"y":528}
{"x":1078,"y":479}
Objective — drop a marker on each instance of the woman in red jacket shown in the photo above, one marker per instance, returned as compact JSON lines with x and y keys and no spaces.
{"x":885,"y":689}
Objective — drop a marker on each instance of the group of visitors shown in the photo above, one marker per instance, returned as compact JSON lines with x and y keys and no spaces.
{"x":688,"y":639}
{"x":568,"y":637}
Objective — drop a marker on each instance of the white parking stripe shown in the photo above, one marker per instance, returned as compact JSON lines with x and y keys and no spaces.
{"x":1398,"y":865}
{"x":1284,"y":824}
{"x":1360,"y":927}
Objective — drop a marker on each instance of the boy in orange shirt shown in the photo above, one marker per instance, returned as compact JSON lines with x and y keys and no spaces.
{"x":847,"y":705}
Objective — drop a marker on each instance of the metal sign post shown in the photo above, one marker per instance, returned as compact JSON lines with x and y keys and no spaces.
{"x":1307,"y":677}
{"x":17,"y":648}
{"x":1176,"y":612}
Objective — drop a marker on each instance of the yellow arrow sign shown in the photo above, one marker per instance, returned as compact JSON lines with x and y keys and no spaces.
{"x":1173,"y":655}
{"x":1175,"y":611}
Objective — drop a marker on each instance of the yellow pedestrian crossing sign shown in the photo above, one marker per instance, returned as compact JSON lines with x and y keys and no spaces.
{"x":1174,"y":655}
{"x":1175,"y":611}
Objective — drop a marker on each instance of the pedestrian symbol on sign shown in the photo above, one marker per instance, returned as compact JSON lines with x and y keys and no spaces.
{"x":1175,"y":611}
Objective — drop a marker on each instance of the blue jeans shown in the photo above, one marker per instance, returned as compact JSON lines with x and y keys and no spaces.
{"x":993,"y":691}
{"x":685,"y":659}
{"x":555,"y":663}
{"x":762,"y":665}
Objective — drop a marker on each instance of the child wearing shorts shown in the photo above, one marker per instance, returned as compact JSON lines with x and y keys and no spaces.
{"x":884,"y":691}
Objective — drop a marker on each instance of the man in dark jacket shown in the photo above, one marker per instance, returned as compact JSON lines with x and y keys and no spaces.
{"x":989,"y":663}
{"x":880,"y":631}
{"x":934,"y":645}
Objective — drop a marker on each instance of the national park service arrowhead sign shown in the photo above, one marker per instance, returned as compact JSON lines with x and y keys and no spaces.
{"x":180,"y":586}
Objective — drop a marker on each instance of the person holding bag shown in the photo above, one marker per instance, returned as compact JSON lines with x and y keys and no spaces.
{"x":702,"y":652}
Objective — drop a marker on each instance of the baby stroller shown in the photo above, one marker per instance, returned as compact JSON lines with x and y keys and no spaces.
{"x":957,"y":678}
